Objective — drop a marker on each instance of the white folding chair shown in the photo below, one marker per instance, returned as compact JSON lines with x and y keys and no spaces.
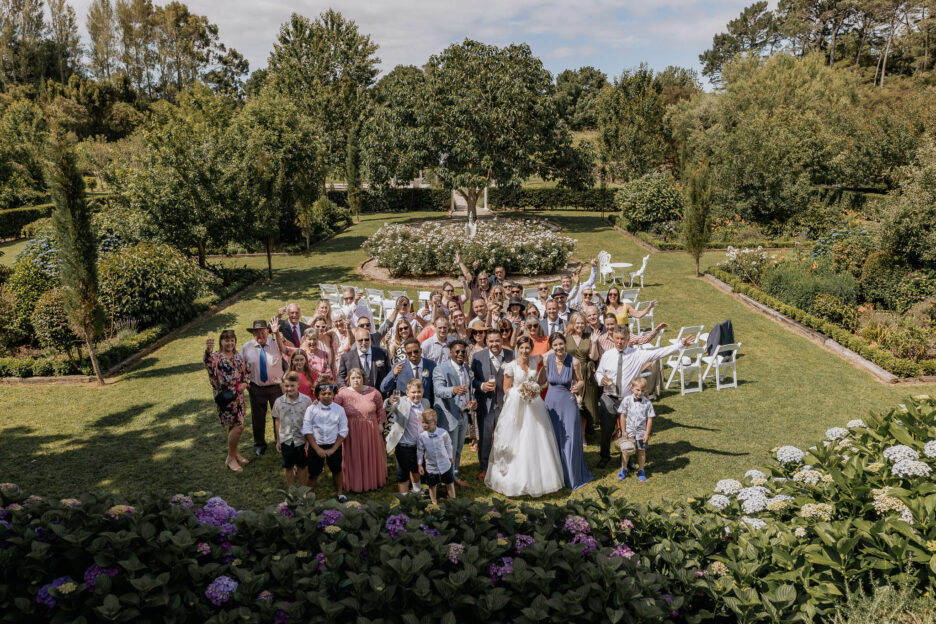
{"x":640,"y":273}
{"x":604,"y":266}
{"x":646,"y":318}
{"x":530,"y":294}
{"x":688,"y":331}
{"x":655,"y":344}
{"x":329,"y":292}
{"x":630,"y":295}
{"x":396,"y":294}
{"x":423,"y":296}
{"x":725,"y":357}
{"x":686,"y":362}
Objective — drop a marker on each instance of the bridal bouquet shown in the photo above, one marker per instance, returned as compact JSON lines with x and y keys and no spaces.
{"x":529,"y":390}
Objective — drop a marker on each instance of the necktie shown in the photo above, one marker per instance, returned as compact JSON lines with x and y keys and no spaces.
{"x":365,"y":363}
{"x":617,"y":382}
{"x":295,"y":335}
{"x":263,"y":370}
{"x":416,"y":372}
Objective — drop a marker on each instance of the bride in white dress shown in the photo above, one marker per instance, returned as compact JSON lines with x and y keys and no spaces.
{"x":524,"y":456}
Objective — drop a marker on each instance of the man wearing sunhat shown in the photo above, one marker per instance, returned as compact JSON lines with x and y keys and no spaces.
{"x":266,"y":372}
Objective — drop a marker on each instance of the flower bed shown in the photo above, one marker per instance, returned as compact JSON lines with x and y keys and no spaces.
{"x":902,"y":367}
{"x":788,"y":542}
{"x":522,"y":246}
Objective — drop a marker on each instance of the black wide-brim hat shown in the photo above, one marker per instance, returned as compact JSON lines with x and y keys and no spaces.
{"x":516,"y":301}
{"x":259,"y":325}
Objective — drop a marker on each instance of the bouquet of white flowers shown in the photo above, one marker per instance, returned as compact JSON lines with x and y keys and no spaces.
{"x":529,"y":390}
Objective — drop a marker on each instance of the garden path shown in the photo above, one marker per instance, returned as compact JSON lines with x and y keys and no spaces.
{"x":156,"y":430}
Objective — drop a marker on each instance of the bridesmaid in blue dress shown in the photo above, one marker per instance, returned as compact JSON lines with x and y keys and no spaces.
{"x":564,"y":381}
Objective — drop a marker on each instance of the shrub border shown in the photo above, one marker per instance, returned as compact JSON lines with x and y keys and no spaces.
{"x":651,"y":243}
{"x":883,"y":365}
{"x":149,"y":339}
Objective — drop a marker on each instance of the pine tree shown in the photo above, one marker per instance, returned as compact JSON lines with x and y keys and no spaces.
{"x":71,"y":222}
{"x":697,"y":212}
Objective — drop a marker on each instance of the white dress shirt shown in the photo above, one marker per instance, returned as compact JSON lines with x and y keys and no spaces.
{"x":638,"y":412}
{"x":463,"y":380}
{"x":413,"y":426}
{"x":358,"y":310}
{"x":325,"y":423}
{"x":633,"y":362}
{"x":433,"y":349}
{"x":436,"y":449}
{"x":274,"y":362}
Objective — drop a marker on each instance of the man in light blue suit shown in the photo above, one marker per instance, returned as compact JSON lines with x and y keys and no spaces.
{"x":454,"y":399}
{"x":415,"y":365}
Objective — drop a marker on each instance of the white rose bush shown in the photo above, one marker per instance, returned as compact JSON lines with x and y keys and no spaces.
{"x":521,"y":246}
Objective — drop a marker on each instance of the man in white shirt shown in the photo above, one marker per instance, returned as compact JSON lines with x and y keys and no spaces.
{"x":354,"y":308}
{"x":575,"y":290}
{"x":615,"y":370}
{"x":436,"y":347}
{"x":266,"y":372}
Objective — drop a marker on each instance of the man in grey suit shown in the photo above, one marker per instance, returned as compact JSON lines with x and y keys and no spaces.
{"x":454,"y":399}
{"x":372,"y":360}
{"x":486,"y":365}
{"x":553,"y":322}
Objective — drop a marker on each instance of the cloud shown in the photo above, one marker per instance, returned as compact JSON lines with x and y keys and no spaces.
{"x":563,"y":33}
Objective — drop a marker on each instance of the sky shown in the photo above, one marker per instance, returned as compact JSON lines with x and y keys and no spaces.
{"x":612,"y":35}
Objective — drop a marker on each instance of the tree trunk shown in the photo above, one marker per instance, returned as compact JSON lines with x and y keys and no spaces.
{"x":697,"y":274}
{"x":835,"y":28}
{"x":471,"y":200}
{"x":307,"y":243}
{"x":890,"y":38}
{"x":93,"y":355}
{"x":201,"y":253}
{"x":269,"y":250}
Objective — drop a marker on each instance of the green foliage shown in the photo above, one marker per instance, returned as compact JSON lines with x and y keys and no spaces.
{"x":880,"y":277}
{"x":321,"y":219}
{"x":23,"y":128}
{"x":908,"y":226}
{"x":892,"y":603}
{"x":848,"y":248}
{"x":396,"y":199}
{"x":649,"y":200}
{"x":51,"y":323}
{"x":552,"y":199}
{"x":751,"y":32}
{"x":13,"y":220}
{"x":797,"y":282}
{"x":577,"y":95}
{"x":150,"y":283}
{"x":833,"y":309}
{"x":29,"y":280}
{"x":697,"y":214}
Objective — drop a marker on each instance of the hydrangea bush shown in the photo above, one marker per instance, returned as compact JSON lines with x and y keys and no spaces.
{"x":525,"y":246}
{"x":787,"y":542}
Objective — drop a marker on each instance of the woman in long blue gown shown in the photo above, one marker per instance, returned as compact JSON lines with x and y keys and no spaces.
{"x":563,"y":410}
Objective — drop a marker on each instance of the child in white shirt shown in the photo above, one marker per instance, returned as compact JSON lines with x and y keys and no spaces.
{"x":636,"y":420}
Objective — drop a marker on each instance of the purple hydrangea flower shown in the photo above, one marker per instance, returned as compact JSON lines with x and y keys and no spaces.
{"x":455,"y":551}
{"x":396,"y":525}
{"x":622,"y":550}
{"x":590,"y":543}
{"x":320,"y":559}
{"x":699,"y":573}
{"x":429,"y":531}
{"x":218,"y":513}
{"x":265,"y":595}
{"x":330,"y":517}
{"x":5,"y":524}
{"x":181,"y":500}
{"x":626,"y":525}
{"x":94,"y":571}
{"x":281,"y":617}
{"x":43,"y":534}
{"x":203,"y":548}
{"x":284,"y":510}
{"x":221,"y":590}
{"x":498,"y":571}
{"x":577,"y":525}
{"x":44,"y":597}
{"x":523,"y":541}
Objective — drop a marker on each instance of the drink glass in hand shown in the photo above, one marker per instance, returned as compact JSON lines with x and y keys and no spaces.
{"x":396,"y":395}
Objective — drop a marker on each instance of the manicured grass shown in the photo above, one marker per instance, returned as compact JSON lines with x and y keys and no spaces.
{"x":157,"y":430}
{"x":10,"y":250}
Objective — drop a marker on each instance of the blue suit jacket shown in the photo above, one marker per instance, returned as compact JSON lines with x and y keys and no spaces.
{"x":391,"y":383}
{"x":444,"y":378}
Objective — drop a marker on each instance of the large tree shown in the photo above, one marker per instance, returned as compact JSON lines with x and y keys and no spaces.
{"x":487,"y":116}
{"x":577,"y":93}
{"x":66,"y":44}
{"x":101,"y":24}
{"x":753,"y":31}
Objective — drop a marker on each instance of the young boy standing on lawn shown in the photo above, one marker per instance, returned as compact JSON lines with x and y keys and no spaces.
{"x":636,"y":421}
{"x":434,"y":455}
{"x":288,"y":413}
{"x":325,"y":426}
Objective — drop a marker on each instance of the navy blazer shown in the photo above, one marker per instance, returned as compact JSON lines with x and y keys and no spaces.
{"x":483,"y":370}
{"x":391,"y":382}
{"x":544,"y":326}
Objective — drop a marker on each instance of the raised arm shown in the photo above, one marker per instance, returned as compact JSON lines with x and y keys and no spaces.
{"x":633,"y":313}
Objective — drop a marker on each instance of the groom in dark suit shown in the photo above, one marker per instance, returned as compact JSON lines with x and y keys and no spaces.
{"x":372,"y":360}
{"x":486,"y":364}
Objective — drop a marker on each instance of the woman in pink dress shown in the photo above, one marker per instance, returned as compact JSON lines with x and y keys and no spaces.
{"x":319,"y":360}
{"x":341,"y":334}
{"x":364,"y":464}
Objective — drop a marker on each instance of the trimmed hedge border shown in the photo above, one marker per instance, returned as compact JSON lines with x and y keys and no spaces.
{"x":901,"y":367}
{"x":117,"y":355}
{"x":553,"y":199}
{"x":13,"y":220}
{"x":652,"y":243}
{"x":396,"y":199}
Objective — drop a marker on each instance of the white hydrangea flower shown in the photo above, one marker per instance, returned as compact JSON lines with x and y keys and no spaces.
{"x":758,"y":481}
{"x":800,"y":532}
{"x":836,"y":433}
{"x":906,"y":516}
{"x":823,"y":511}
{"x":812,"y":477}
{"x":899,"y":452}
{"x":719,"y":502}
{"x":790,"y":455}
{"x":752,"y":492}
{"x":910,"y":468}
{"x":754,"y":474}
{"x":754,"y":504}
{"x":930,"y":449}
{"x":855,"y":424}
{"x":754,"y":523}
{"x":728,"y":486}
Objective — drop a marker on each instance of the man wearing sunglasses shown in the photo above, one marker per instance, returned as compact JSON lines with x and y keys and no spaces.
{"x":352,"y":306}
{"x":415,"y":366}
{"x":364,"y":355}
{"x":454,"y":399}
{"x":367,"y":325}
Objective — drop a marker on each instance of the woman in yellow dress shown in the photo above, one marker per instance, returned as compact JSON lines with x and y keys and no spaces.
{"x":621,"y":309}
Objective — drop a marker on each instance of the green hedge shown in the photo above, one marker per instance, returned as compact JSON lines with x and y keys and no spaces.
{"x":552,"y":198}
{"x":898,"y":366}
{"x":397,"y":199}
{"x":663,"y":245}
{"x":119,"y":351}
{"x":783,"y":549}
{"x":14,"y":219}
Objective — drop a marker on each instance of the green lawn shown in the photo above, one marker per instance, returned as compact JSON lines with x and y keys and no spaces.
{"x":10,"y":250}
{"x":156,"y":429}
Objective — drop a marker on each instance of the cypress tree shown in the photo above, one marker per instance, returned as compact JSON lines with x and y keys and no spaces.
{"x":71,"y":222}
{"x":697,"y":212}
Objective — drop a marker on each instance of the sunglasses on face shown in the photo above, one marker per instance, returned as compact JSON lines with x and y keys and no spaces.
{"x":544,"y":288}
{"x":416,"y":352}
{"x":449,"y":290}
{"x":458,"y":351}
{"x":506,"y":331}
{"x":348,"y":298}
{"x":332,"y":388}
{"x":365,"y":324}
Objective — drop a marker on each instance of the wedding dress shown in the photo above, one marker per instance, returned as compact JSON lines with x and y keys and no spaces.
{"x":524,"y":456}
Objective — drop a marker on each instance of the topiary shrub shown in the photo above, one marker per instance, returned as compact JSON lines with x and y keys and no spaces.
{"x":651,"y":199}
{"x":50,"y":322}
{"x":29,"y":280}
{"x":797,"y":283}
{"x":151,"y":283}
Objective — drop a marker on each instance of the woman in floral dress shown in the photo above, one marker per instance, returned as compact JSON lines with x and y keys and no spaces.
{"x":364,"y":463}
{"x":229,"y":375}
